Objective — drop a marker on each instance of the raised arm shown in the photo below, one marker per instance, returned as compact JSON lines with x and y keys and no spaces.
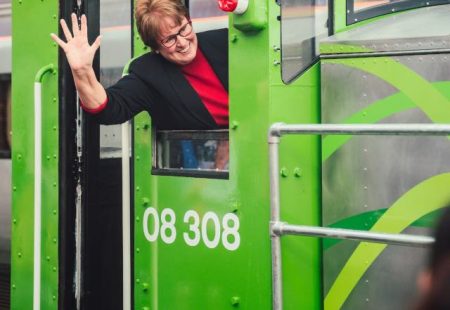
{"x":80,"y":55}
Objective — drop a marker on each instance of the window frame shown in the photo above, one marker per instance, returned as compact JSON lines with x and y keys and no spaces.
{"x":384,"y":9}
{"x":189,"y":134}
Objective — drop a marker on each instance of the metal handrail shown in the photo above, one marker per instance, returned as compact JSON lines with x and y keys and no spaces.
{"x":278,"y":228}
{"x":37,"y":183}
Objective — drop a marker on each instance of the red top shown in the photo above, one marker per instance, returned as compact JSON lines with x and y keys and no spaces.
{"x":209,"y":88}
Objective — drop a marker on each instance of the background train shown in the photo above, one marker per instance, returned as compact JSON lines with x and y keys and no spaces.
{"x":199,"y":236}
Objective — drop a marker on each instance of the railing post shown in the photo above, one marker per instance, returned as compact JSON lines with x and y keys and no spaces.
{"x":274,"y":141}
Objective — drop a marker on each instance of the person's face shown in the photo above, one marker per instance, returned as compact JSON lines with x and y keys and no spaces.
{"x":183,"y":51}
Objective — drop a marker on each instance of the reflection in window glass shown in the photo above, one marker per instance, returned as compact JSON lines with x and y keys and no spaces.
{"x":115,"y":53}
{"x":204,"y":8}
{"x":303,"y":22}
{"x":192,"y":150}
{"x":365,"y":4}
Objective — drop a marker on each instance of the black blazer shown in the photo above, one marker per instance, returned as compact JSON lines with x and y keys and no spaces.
{"x":159,"y":87}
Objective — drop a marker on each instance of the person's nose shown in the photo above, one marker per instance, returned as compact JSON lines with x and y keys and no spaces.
{"x":182,"y":42}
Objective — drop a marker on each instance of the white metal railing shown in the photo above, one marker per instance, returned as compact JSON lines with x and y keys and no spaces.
{"x":279,"y":228}
{"x":38,"y":183}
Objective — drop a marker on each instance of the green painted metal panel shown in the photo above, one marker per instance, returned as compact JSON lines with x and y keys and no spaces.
{"x":179,"y":276}
{"x":33,"y":49}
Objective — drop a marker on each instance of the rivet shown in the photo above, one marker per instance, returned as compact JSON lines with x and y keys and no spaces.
{"x":284,"y":172}
{"x":54,"y":16}
{"x":54,"y":72}
{"x":234,"y":125}
{"x":48,"y":157}
{"x":138,"y":280}
{"x":54,"y":99}
{"x":14,"y":188}
{"x":235,"y":207}
{"x":276,"y":62}
{"x":145,"y":308}
{"x":54,"y":269}
{"x":138,"y":128}
{"x":54,"y":240}
{"x":138,"y":219}
{"x":54,"y":128}
{"x":138,"y":157}
{"x":48,"y":258}
{"x":297,"y":172}
{"x":145,"y":201}
{"x":19,"y":157}
{"x":145,"y":287}
{"x":276,"y":48}
{"x":138,"y":188}
{"x":138,"y":250}
{"x":14,"y":221}
{"x":235,"y":300}
{"x":54,"y":156}
{"x":54,"y":44}
{"x":13,"y":286}
{"x":138,"y":37}
{"x":54,"y":297}
{"x":146,"y":126}
{"x":54,"y":184}
{"x":19,"y":254}
{"x":234,"y":38}
{"x":20,"y":1}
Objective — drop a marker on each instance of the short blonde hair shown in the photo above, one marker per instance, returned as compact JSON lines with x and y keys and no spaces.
{"x":149,"y":14}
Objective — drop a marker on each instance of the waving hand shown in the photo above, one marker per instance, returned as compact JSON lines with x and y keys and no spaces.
{"x":79,"y":53}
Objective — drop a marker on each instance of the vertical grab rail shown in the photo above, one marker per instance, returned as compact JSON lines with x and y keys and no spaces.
{"x":279,"y":228}
{"x":126,"y":205}
{"x":126,"y":216}
{"x":37,"y":183}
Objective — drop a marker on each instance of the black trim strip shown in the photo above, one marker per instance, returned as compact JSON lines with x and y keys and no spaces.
{"x":192,"y":173}
{"x":67,"y":174}
{"x":364,"y":14}
{"x":386,"y":54}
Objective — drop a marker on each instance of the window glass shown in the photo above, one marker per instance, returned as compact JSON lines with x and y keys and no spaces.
{"x":115,"y":23}
{"x":191,"y":152}
{"x":5,"y":18}
{"x":5,"y":117}
{"x":303,"y":22}
{"x":206,"y":15}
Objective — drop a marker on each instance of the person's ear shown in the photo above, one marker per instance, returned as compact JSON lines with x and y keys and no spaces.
{"x":424,"y":282}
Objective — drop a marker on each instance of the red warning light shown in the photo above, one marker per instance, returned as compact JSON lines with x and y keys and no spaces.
{"x":234,"y":6}
{"x":227,"y":5}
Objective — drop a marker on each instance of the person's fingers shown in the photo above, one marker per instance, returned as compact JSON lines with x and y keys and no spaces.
{"x":97,"y":42}
{"x":75,"y":28}
{"x":60,"y":42}
{"x":66,"y":30}
{"x":83,"y":25}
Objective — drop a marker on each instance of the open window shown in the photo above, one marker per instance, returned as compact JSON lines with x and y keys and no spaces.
{"x":358,"y":10}
{"x":194,"y":153}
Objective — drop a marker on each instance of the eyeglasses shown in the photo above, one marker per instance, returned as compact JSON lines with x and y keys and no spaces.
{"x":183,"y":32}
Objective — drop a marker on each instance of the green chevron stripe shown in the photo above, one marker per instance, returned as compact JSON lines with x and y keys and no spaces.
{"x":426,"y":197}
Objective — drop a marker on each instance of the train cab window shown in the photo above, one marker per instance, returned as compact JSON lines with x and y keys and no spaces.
{"x":200,"y":153}
{"x":114,"y":55}
{"x":191,"y":153}
{"x":358,"y":10}
{"x":5,"y":117}
{"x":303,"y":23}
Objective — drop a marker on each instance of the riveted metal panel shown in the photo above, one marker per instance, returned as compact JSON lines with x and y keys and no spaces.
{"x":368,"y":179}
{"x":33,"y":49}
